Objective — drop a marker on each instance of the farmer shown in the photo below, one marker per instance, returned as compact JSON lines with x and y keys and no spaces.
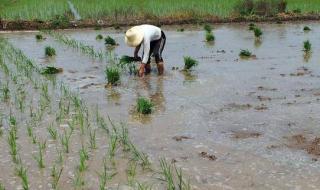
{"x":153,"y":40}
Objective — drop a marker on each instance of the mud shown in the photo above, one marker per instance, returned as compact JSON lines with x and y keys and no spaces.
{"x":216,"y":100}
{"x":311,"y":146}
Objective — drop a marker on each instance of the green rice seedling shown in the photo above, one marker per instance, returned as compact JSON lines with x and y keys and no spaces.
{"x":189,"y":63}
{"x":207,"y":28}
{"x":245,"y":53}
{"x":109,"y":41}
{"x":51,"y":70}
{"x":39,"y":157}
{"x":140,"y":157}
{"x":306,"y":28}
{"x":112,"y":75}
{"x":12,"y":141}
{"x":93,"y":141}
{"x":5,"y":91}
{"x":307,"y":46}
{"x":59,"y":159}
{"x":78,"y":180}
{"x":141,"y":186}
{"x":2,"y":187}
{"x":53,"y":132}
{"x":49,"y":51}
{"x":84,"y":156}
{"x":144,"y":105}
{"x":131,"y":172}
{"x":104,"y":176}
{"x":39,"y":37}
{"x":112,"y":145}
{"x":65,"y":141}
{"x":21,"y":172}
{"x":101,"y":122}
{"x":167,"y":173}
{"x":180,"y":30}
{"x":97,"y":28}
{"x":252,"y":26}
{"x":209,"y":37}
{"x":124,"y":138}
{"x":182,"y":184}
{"x":55,"y":174}
{"x":99,"y":37}
{"x":257,"y":32}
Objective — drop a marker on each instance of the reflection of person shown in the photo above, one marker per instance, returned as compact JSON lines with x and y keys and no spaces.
{"x":153,"y":40}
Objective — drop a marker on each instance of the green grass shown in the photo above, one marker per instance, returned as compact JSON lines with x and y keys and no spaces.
{"x":144,"y":105}
{"x":46,"y":10}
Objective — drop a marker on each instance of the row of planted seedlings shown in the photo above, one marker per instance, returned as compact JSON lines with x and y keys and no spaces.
{"x":71,"y":122}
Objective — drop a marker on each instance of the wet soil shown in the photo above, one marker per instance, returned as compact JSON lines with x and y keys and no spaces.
{"x":222,"y":97}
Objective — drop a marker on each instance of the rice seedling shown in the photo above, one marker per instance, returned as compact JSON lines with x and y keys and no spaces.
{"x":209,"y":37}
{"x":104,"y":176}
{"x":51,"y":70}
{"x":55,"y":174}
{"x":131,"y":172}
{"x":59,"y":159}
{"x":39,"y":157}
{"x":12,"y":141}
{"x":112,"y":145}
{"x":307,"y":46}
{"x":245,"y":53}
{"x":207,"y":28}
{"x":84,"y":156}
{"x":180,"y":30}
{"x":306,"y":28}
{"x":144,"y":105}
{"x":189,"y":63}
{"x":101,"y":122}
{"x":124,"y":138}
{"x":86,"y":49}
{"x":140,"y":157}
{"x":5,"y":91}
{"x":49,"y":51}
{"x":78,"y":180}
{"x":52,"y":131}
{"x":252,"y":26}
{"x":65,"y":140}
{"x":173,"y":176}
{"x":141,"y":186}
{"x":99,"y":37}
{"x":112,"y":75}
{"x":60,"y":21}
{"x":39,"y":37}
{"x":92,"y":141}
{"x":21,"y":172}
{"x":109,"y":41}
{"x":2,"y":186}
{"x":257,"y":32}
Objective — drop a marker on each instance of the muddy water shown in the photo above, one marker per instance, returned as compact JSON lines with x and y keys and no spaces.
{"x":261,"y":101}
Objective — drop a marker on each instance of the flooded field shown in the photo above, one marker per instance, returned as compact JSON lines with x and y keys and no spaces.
{"x":231,"y":123}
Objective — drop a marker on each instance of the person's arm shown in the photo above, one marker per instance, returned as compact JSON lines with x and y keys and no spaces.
{"x":136,"y":51}
{"x":146,"y":50}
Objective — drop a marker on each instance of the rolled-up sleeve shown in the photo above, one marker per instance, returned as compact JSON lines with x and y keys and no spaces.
{"x":146,"y":49}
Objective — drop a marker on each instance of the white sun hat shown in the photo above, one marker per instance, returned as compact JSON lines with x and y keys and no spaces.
{"x":134,"y":36}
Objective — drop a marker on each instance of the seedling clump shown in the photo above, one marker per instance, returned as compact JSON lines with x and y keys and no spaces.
{"x":99,"y":37}
{"x":50,"y":51}
{"x":144,"y":105}
{"x":252,"y":26}
{"x":110,"y":41}
{"x":189,"y":63}
{"x":51,"y":70}
{"x":39,"y":37}
{"x":307,"y":46}
{"x":112,"y":75}
{"x":180,"y":30}
{"x":306,"y":28}
{"x":257,"y":32}
{"x":209,"y":37}
{"x":207,"y":28}
{"x":245,"y":53}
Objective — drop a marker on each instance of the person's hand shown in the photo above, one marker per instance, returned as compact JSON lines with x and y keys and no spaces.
{"x":137,"y":58}
{"x":141,"y":70}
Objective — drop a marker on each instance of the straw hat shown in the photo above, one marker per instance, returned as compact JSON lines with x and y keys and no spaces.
{"x":134,"y":36}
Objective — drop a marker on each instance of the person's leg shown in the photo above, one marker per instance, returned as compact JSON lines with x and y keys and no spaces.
{"x":159,"y":60}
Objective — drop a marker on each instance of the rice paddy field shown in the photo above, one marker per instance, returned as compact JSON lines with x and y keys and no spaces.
{"x":97,"y":9}
{"x":238,"y":110}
